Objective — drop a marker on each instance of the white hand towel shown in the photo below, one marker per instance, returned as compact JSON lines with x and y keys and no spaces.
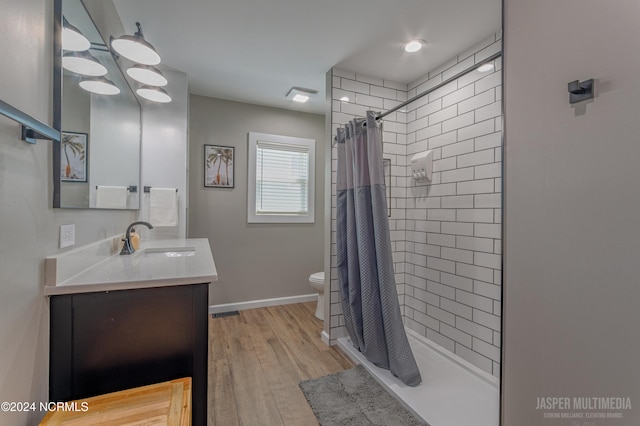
{"x":163,"y":207}
{"x":111,"y":197}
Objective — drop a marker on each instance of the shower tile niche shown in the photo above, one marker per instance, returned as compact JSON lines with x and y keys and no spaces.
{"x":445,"y":233}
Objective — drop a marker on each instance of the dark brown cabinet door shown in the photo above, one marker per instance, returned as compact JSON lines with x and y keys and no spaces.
{"x":110,"y":341}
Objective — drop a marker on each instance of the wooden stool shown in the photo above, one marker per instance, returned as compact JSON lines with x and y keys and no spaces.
{"x":167,"y":403}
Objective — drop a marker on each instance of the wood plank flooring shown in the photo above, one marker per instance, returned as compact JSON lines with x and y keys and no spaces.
{"x":257,"y":359}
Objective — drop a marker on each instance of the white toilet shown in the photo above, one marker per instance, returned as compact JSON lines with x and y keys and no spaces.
{"x":317,"y":282}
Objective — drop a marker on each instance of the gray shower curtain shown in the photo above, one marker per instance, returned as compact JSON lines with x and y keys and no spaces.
{"x":365,"y":266}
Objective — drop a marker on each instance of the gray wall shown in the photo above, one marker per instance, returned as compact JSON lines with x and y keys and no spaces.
{"x":254,"y":261}
{"x":572,"y":238}
{"x":28,"y":224}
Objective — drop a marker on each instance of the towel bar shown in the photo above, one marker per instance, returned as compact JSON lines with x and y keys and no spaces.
{"x":131,"y":188}
{"x":148,"y":189}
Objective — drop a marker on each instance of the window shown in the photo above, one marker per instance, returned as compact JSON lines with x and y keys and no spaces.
{"x":281,"y":179}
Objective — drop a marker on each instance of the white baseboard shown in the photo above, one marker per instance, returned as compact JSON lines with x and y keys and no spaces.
{"x":252,"y":304}
{"x":325,"y":338}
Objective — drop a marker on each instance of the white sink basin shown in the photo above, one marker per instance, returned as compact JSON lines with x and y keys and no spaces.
{"x":170,"y":251}
{"x":98,"y":266}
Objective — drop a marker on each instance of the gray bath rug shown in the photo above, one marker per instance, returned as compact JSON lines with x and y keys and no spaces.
{"x":354,"y":398}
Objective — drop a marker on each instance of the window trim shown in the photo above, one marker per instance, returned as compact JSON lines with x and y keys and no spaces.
{"x":252,"y":217}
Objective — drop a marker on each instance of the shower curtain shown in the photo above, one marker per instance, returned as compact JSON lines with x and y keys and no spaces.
{"x":365,"y":267}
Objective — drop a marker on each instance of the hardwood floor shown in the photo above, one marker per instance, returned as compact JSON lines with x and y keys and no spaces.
{"x":257,"y":359}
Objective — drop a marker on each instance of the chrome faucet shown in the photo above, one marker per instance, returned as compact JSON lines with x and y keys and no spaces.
{"x":127,"y":247}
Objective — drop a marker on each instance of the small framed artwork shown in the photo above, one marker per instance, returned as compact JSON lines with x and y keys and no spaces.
{"x":73,"y":158}
{"x":219,"y":166}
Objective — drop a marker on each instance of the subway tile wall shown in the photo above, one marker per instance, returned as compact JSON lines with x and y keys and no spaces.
{"x":453,"y":234}
{"x":446,"y":234}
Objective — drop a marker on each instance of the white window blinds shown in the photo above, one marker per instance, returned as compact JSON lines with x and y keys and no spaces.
{"x":282,"y":178}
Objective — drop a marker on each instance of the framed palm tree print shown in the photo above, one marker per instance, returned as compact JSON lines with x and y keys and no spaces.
{"x":73,"y":164}
{"x":218,"y":166}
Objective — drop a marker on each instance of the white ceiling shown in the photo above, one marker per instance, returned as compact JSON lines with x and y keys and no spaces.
{"x":256,"y":50}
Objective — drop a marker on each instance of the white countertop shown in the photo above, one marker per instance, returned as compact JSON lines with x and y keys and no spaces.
{"x":150,"y":266}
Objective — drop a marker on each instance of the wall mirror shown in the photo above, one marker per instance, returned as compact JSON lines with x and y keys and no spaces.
{"x":97,"y":162}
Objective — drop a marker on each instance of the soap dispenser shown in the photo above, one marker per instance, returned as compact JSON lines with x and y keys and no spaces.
{"x":135,"y":239}
{"x":422,"y":165}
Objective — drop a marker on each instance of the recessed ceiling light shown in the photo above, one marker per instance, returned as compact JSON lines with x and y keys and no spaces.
{"x":413,"y":46}
{"x":344,"y":99}
{"x":300,"y":94}
{"x":485,"y":67}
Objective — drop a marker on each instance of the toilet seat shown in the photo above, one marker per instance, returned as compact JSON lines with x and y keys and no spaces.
{"x":317,"y":278}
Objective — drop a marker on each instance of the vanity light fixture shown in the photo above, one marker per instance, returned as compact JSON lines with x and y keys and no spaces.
{"x":72,"y":38}
{"x":300,"y":94}
{"x":485,"y":67}
{"x":99,"y":85}
{"x":155,"y":94}
{"x":413,"y":45}
{"x":147,"y":74}
{"x":83,"y":63}
{"x":136,"y":48}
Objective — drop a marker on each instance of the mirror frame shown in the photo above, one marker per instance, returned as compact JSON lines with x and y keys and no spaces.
{"x":57,"y":99}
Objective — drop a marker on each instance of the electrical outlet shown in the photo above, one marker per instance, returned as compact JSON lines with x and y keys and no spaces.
{"x":67,"y":235}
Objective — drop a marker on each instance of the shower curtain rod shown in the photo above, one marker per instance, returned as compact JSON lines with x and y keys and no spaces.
{"x":432,"y":89}
{"x":439,"y":85}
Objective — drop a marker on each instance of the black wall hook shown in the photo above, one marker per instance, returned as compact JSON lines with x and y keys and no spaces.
{"x":580,"y":91}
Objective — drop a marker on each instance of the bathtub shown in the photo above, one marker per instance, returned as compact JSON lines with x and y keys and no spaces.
{"x":453,"y":392}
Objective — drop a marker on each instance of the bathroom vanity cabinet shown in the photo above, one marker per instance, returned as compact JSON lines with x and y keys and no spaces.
{"x":120,"y":322}
{"x":109,"y":341}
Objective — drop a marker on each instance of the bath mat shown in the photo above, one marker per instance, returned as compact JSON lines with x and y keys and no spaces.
{"x":354,"y":398}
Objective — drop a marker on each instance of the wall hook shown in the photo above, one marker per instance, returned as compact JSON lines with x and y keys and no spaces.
{"x":580,"y":91}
